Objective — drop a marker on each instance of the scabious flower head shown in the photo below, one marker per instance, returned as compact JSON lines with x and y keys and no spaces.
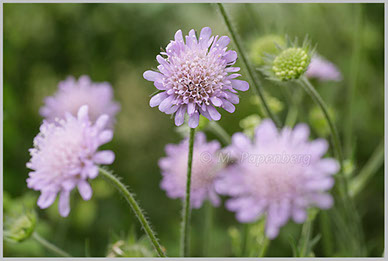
{"x":72,"y":94}
{"x":280,"y":174}
{"x":65,"y":156}
{"x":266,"y":44}
{"x":323,"y":70}
{"x":194,"y":77}
{"x":290,"y":63}
{"x":205,"y":169}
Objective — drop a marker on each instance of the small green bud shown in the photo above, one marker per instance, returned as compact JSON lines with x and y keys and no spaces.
{"x":265,"y":45}
{"x":249,"y":124}
{"x":20,"y":228}
{"x":291,"y":63}
{"x":131,"y":247}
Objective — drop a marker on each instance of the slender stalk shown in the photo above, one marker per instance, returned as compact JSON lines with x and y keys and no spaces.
{"x":305,"y":83}
{"x":220,"y":132}
{"x":185,"y":229}
{"x":50,"y":246}
{"x":208,"y":223}
{"x":351,"y":214}
{"x":295,"y":100}
{"x":264,"y":246}
{"x":251,"y":73}
{"x":244,"y":239}
{"x":370,"y":168}
{"x":135,"y":207}
{"x":354,"y":75}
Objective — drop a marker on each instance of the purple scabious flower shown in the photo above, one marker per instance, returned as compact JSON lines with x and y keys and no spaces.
{"x":194,"y":77}
{"x":72,"y":94}
{"x":65,"y":156}
{"x":280,"y":174}
{"x":205,"y":169}
{"x":323,"y":70}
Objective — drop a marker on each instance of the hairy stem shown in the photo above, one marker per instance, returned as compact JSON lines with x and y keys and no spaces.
{"x":185,"y":229}
{"x":135,"y":207}
{"x":334,"y":133}
{"x":251,"y":73}
{"x":350,"y":215}
{"x":50,"y":246}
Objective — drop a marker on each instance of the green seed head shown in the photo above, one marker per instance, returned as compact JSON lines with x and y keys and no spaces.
{"x":291,"y":63}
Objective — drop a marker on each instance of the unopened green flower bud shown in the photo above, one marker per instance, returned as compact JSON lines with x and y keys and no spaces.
{"x":291,"y":63}
{"x":20,"y":228}
{"x":265,"y":45}
{"x":131,"y":247}
{"x":274,"y":104}
{"x":249,"y":124}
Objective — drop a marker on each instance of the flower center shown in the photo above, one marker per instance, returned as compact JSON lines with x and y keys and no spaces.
{"x":197,"y":76}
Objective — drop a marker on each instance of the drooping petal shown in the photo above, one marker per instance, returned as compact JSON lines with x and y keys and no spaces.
{"x":46,"y":199}
{"x":64,"y":203}
{"x":157,"y":99}
{"x":180,"y":116}
{"x":213,"y":113}
{"x":85,"y":190}
{"x":194,"y":120}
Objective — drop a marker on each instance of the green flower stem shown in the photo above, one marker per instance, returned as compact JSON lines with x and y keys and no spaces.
{"x":334,"y":133}
{"x":294,"y":100}
{"x":370,"y":168}
{"x":244,"y":239}
{"x":251,"y":73}
{"x":351,"y":215}
{"x":135,"y":207}
{"x":50,"y":246}
{"x":207,"y":228}
{"x":354,"y":76}
{"x":264,"y":246}
{"x":220,"y":132}
{"x":185,"y":229}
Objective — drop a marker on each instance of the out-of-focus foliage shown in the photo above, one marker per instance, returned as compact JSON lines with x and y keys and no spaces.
{"x":44,"y":43}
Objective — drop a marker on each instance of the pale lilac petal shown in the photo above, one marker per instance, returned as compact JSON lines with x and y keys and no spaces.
{"x":105,"y":136}
{"x":83,"y":113}
{"x":194,"y":120}
{"x":216,"y":101}
{"x":190,"y":108}
{"x":85,"y":190}
{"x":180,"y":116}
{"x":46,"y":199}
{"x":213,"y":113}
{"x":240,"y":85}
{"x":157,"y":99}
{"x":228,"y":106}
{"x":64,"y":203}
{"x":152,"y":76}
{"x":205,"y":36}
{"x":178,"y":36}
{"x":105,"y":157}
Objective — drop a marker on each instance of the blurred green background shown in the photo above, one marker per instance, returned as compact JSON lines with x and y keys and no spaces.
{"x":44,"y":43}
